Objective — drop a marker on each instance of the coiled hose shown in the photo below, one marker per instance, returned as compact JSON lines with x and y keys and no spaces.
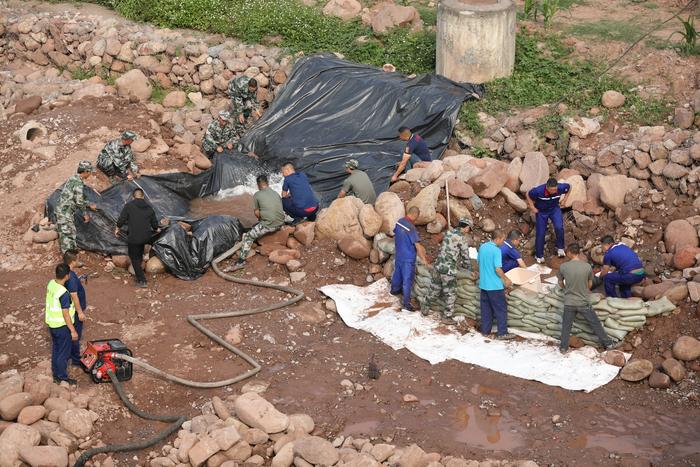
{"x":194,"y":321}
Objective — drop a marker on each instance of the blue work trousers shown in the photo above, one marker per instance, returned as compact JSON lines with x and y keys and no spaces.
{"x":402,"y":280}
{"x":493,"y":305}
{"x":298,"y":213}
{"x":75,"y":345}
{"x":542,"y":219}
{"x":61,"y":345}
{"x":623,"y":281}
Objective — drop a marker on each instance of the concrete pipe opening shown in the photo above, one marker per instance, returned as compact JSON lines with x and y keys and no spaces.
{"x":31,"y":132}
{"x":475,"y":40}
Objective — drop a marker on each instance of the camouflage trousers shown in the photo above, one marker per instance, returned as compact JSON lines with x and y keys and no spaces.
{"x":67,"y":233}
{"x":445,"y":284}
{"x":249,"y":238}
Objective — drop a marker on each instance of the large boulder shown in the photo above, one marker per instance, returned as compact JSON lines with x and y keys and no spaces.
{"x":432,"y":172}
{"x":426,"y":202}
{"x":77,"y":422}
{"x":488,"y":183}
{"x":344,"y":9}
{"x":686,"y":348}
{"x":390,"y":207}
{"x":515,"y":201}
{"x":12,"y":439}
{"x":613,"y":189}
{"x":535,"y":171}
{"x":514,"y":169}
{"x":577,"y":192}
{"x":637,"y":370}
{"x":256,"y":412}
{"x":459,"y":189}
{"x":387,"y":15}
{"x":340,"y":219}
{"x":356,"y":248}
{"x":134,"y":83}
{"x":316,"y":451}
{"x":44,"y":456}
{"x":679,"y":234}
{"x":370,"y":220}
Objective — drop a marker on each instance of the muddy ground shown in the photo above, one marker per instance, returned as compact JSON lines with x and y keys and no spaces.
{"x":462,"y":409}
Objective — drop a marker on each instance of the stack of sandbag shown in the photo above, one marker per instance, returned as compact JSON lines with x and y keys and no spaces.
{"x":543,"y":312}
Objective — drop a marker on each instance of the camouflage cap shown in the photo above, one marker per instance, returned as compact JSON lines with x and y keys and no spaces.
{"x":129,"y":135}
{"x":465,"y":222}
{"x":352,"y":164}
{"x":84,"y":166}
{"x":225,"y":115}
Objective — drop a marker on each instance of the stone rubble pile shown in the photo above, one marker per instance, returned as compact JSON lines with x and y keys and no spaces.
{"x":674,"y":366}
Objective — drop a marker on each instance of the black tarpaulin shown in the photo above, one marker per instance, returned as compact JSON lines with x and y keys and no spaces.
{"x":331,"y":110}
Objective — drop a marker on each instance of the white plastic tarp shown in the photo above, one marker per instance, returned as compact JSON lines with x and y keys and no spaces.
{"x":375,"y":310}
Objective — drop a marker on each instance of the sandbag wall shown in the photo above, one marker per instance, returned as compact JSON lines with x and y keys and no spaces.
{"x":531,"y":311}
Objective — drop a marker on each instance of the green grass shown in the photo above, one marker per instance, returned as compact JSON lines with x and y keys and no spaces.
{"x":428,"y":15}
{"x":158,"y":93}
{"x":80,"y":74}
{"x":545,"y":73}
{"x":611,"y":30}
{"x":302,"y":28}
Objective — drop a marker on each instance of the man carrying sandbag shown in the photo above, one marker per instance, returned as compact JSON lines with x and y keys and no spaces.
{"x":629,"y":269}
{"x":454,"y":253}
{"x":576,"y":278}
{"x":493,"y":282}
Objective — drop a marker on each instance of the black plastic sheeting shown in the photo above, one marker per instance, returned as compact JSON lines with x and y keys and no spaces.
{"x":331,"y":110}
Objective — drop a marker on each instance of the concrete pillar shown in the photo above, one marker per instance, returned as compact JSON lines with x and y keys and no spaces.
{"x":475,"y":39}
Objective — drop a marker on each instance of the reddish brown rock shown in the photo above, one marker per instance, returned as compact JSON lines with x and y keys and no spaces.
{"x":28,"y":105}
{"x":278,"y":237}
{"x":305,"y":233}
{"x":284,"y":255}
{"x":658,"y":380}
{"x":680,"y":233}
{"x":686,"y":348}
{"x":354,"y":247}
{"x":488,"y":183}
{"x":674,"y":369}
{"x":614,"y":357}
{"x":637,"y":370}
{"x":685,"y":257}
{"x":459,"y":189}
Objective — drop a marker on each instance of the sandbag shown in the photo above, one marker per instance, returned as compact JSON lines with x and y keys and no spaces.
{"x":625,"y":304}
{"x":657,"y":307}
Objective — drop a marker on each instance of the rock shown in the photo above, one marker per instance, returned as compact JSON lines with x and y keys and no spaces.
{"x":239,"y":452}
{"x":381,"y":452}
{"x":61,"y":437}
{"x":28,"y":104}
{"x":134,"y":83}
{"x":370,"y":221}
{"x":460,"y":189}
{"x":31,"y":414}
{"x":694,"y":291}
{"x":12,"y":439}
{"x":680,"y":233}
{"x":283,"y":255}
{"x":488,"y":183}
{"x":344,"y":9}
{"x":614,"y":357}
{"x":141,"y":145}
{"x":340,"y":219}
{"x":683,"y":117}
{"x":203,"y":450}
{"x":515,"y":201}
{"x":488,"y":225}
{"x":577,"y":192}
{"x":412,"y":456}
{"x":674,"y":369}
{"x":234,"y":335}
{"x":11,"y":383}
{"x":582,"y":126}
{"x":276,"y":238}
{"x":514,"y":169}
{"x":175,"y":99}
{"x":77,"y":422}
{"x":40,"y":389}
{"x":426,"y":202}
{"x":12,"y":405}
{"x":613,"y":189}
{"x":387,"y":15}
{"x":654,"y":291}
{"x":685,"y":257}
{"x":305,"y":233}
{"x":686,"y":348}
{"x":256,"y":412}
{"x":438,"y":225}
{"x":390,"y":207}
{"x":297,"y":276}
{"x":432,"y":172}
{"x":355,"y":248}
{"x":674,"y":171}
{"x":677,"y":294}
{"x":535,"y":171}
{"x":658,"y":380}
{"x":612,"y":99}
{"x":154,"y":265}
{"x":316,"y":450}
{"x":225,"y":437}
{"x":44,"y":456}
{"x":301,"y":422}
{"x":636,"y":370}
{"x":284,"y":457}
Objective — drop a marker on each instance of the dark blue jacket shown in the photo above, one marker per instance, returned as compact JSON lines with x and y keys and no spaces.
{"x":545,"y":201}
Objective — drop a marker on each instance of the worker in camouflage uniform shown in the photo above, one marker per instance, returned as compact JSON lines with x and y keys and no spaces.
{"x":116,"y":159}
{"x":244,"y":100}
{"x":454,"y":253}
{"x":70,"y":201}
{"x":221,"y":134}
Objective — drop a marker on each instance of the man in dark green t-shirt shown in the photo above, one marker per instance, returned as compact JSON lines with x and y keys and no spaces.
{"x":576,"y":278}
{"x":268,"y":208}
{"x":357,"y":184}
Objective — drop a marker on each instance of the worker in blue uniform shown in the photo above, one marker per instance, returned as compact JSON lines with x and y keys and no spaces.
{"x":545,"y":203}
{"x":511,"y":257}
{"x":408,"y":247}
{"x":629,"y":269}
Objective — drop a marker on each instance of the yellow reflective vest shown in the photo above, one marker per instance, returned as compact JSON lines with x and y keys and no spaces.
{"x":54,"y":313}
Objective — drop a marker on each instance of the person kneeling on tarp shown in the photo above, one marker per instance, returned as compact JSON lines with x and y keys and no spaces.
{"x":576,"y":278}
{"x":629,"y":269}
{"x":298,"y":199}
{"x":268,"y":209}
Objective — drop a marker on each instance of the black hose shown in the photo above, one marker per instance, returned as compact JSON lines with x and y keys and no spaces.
{"x":136,"y":445}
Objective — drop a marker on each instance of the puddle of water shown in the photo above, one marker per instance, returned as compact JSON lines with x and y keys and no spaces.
{"x":368,"y":428}
{"x":476,"y":428}
{"x":626,"y":444}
